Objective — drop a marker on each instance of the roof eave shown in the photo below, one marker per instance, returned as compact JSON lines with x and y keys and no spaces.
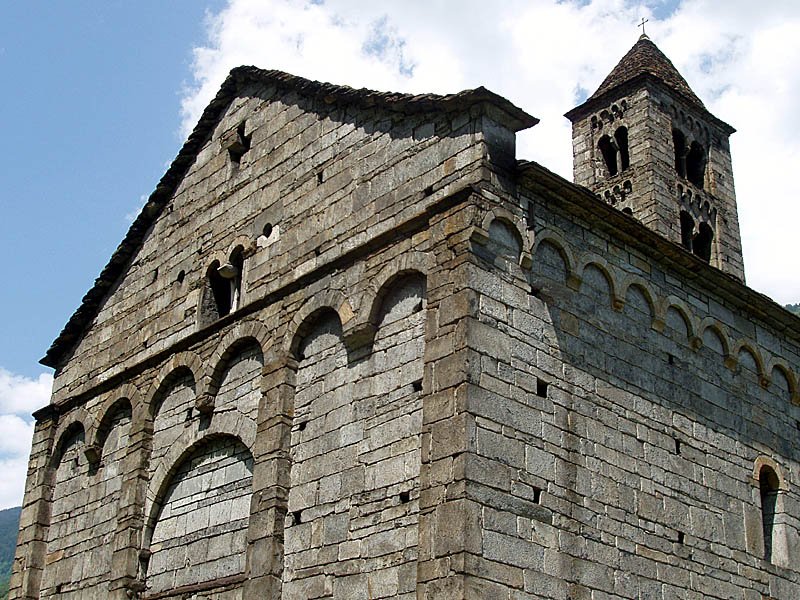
{"x":594,"y":102}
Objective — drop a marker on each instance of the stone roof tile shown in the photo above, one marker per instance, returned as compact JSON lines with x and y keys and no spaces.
{"x":646,"y":59}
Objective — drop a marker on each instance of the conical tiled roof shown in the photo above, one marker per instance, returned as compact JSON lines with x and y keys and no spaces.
{"x":646,"y":59}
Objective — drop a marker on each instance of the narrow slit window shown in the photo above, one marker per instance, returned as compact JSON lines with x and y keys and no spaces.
{"x":769,"y":486}
{"x":679,"y":141}
{"x":621,"y":137}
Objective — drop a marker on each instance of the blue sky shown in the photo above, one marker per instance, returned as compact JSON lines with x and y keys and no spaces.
{"x":99,"y":95}
{"x":91,"y":117}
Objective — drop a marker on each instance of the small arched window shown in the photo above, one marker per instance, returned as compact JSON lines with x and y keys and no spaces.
{"x":696,"y":164}
{"x":237,"y":262}
{"x":701,"y":245}
{"x":769,"y":485}
{"x":220,"y":291}
{"x":679,"y":141}
{"x":223,"y":290}
{"x":609,"y":152}
{"x":687,"y":230}
{"x":621,"y":137}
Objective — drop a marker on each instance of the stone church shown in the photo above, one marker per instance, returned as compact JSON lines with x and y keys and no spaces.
{"x":353,"y":348}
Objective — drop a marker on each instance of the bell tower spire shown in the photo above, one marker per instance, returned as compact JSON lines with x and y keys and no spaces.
{"x":645,"y":143}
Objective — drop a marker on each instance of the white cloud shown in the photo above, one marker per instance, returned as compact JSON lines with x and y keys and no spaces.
{"x":12,"y":481}
{"x":22,"y":395}
{"x":541,"y":54}
{"x":19,"y":397}
{"x":15,"y":436}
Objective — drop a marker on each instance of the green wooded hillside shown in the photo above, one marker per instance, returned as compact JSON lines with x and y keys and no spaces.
{"x":9,"y":525}
{"x":795,"y":308}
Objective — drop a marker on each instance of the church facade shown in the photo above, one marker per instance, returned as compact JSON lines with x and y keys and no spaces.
{"x":353,"y":348}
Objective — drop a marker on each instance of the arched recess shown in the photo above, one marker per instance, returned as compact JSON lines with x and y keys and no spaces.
{"x":713,"y":335}
{"x":235,"y":382}
{"x":696,"y":164}
{"x":329,"y":301}
{"x":504,"y":234}
{"x":784,"y":378}
{"x":553,"y":260}
{"x":639,"y":300}
{"x":64,"y":564}
{"x":621,"y":139}
{"x":364,"y":325}
{"x":596,"y":275}
{"x":196,"y":528}
{"x":608,"y":151}
{"x":504,"y":245}
{"x":678,"y":321}
{"x":390,"y":452}
{"x":749,"y":358}
{"x":104,"y":493}
{"x":325,"y":437}
{"x":171,"y":408}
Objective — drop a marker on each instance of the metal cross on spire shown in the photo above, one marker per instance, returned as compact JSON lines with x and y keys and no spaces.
{"x":642,"y":25}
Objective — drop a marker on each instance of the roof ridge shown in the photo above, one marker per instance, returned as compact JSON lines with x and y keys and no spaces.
{"x":70,"y":335}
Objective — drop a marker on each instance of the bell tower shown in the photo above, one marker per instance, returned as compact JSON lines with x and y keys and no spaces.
{"x":645,"y":143}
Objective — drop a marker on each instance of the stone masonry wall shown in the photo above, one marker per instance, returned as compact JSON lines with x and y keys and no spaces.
{"x":219,"y":386}
{"x":325,"y":178}
{"x":616,"y":426}
{"x":420,"y":394}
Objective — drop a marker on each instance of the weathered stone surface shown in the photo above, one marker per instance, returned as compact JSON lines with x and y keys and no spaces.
{"x":441,"y":375}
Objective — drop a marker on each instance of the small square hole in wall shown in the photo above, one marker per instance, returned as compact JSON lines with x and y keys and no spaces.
{"x":797,"y":424}
{"x":297,"y":517}
{"x":537,"y":495}
{"x":670,"y":359}
{"x":188,"y":414}
{"x":320,"y":176}
{"x":417,"y":385}
{"x":678,"y":446}
{"x":681,"y":537}
{"x":405,"y":497}
{"x":541,"y":388}
{"x":428,"y":190}
{"x":301,"y":426}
